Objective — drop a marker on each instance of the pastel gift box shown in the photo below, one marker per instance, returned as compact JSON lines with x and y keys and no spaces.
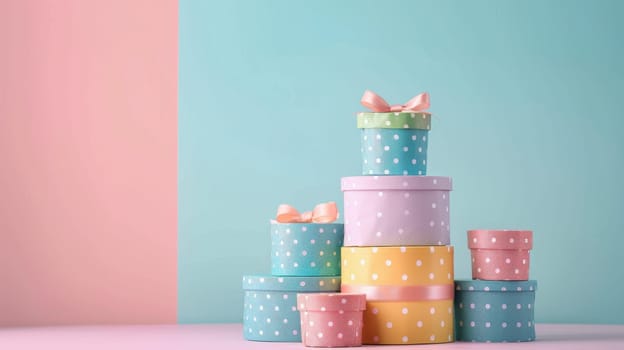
{"x":409,"y":292}
{"x":394,"y":143}
{"x":306,"y":249}
{"x":495,"y":311}
{"x":270,"y":305}
{"x":396,"y":210}
{"x":500,"y":254}
{"x":331,"y":320}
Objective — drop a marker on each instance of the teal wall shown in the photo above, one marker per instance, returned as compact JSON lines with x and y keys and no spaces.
{"x":526,"y":98}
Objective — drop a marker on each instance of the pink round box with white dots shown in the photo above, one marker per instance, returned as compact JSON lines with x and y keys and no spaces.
{"x":501,"y":255}
{"x":331,"y":319}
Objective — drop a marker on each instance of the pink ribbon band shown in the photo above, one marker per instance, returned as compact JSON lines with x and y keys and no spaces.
{"x":322,"y":214}
{"x":377,"y":104}
{"x":402,"y":293}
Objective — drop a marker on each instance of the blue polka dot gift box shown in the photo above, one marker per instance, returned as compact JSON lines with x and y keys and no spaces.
{"x":306,"y":249}
{"x":270,"y":305}
{"x":394,"y":138}
{"x":495,"y":311}
{"x":306,"y":244}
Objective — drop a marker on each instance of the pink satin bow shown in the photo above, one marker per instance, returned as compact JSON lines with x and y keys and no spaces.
{"x":376,"y":103}
{"x":322,"y":213}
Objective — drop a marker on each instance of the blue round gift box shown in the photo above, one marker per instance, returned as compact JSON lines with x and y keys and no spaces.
{"x":270,"y":305}
{"x":394,"y":151}
{"x":306,"y":249}
{"x":495,"y":311}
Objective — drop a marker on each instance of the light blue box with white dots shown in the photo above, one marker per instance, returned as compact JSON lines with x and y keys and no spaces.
{"x":495,"y":311}
{"x":306,"y":249}
{"x":394,"y":143}
{"x":270,"y":305}
{"x":394,"y":151}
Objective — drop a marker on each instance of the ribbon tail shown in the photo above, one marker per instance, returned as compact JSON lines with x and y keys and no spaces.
{"x":374,"y":102}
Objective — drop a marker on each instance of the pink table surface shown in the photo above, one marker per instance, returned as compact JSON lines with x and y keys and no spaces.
{"x":229,"y":336}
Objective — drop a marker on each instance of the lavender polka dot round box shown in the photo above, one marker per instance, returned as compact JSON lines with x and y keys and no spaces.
{"x":306,"y":249}
{"x":396,"y":210}
{"x":270,"y":305}
{"x":495,"y":311}
{"x":394,"y":143}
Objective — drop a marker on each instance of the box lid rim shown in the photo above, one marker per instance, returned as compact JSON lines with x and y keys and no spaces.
{"x":495,"y":286}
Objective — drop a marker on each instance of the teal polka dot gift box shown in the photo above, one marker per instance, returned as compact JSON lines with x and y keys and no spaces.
{"x":306,"y":244}
{"x":306,"y":249}
{"x":270,"y":305}
{"x":495,"y":311}
{"x":394,"y":138}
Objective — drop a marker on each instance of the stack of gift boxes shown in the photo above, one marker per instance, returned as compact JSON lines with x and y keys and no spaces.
{"x":396,"y":283}
{"x":397,"y":235}
{"x":305,"y":258}
{"x":498,"y":304}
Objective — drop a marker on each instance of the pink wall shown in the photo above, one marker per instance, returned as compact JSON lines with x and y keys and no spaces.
{"x":88,"y":161}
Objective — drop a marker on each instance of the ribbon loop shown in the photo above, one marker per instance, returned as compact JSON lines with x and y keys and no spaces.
{"x":323,"y":213}
{"x":377,"y":104}
{"x":286,"y":213}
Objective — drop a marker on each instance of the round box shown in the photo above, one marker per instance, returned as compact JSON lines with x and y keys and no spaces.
{"x":306,"y":249}
{"x":394,"y":143}
{"x":270,"y":306}
{"x":396,"y":210}
{"x":330,"y":319}
{"x":500,"y":255}
{"x":409,"y":292}
{"x":495,"y":311}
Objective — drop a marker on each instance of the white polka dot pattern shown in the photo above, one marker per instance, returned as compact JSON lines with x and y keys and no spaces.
{"x":500,"y":239}
{"x":394,"y":120}
{"x":270,"y":305}
{"x":396,"y":210}
{"x":500,"y":254}
{"x":394,"y":151}
{"x":408,"y":322}
{"x":409,"y":292}
{"x":495,"y":311}
{"x":306,"y":249}
{"x":331,"y":320}
{"x":397,"y":266}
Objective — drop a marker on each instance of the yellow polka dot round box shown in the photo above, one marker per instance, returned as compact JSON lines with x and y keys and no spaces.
{"x":495,"y":311}
{"x":270,"y":305}
{"x":394,"y":138}
{"x":396,"y":210}
{"x":306,"y":249}
{"x":409,"y":292}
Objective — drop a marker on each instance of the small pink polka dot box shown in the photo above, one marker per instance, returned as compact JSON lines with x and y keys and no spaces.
{"x":331,"y":319}
{"x":396,"y":210}
{"x":501,"y":255}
